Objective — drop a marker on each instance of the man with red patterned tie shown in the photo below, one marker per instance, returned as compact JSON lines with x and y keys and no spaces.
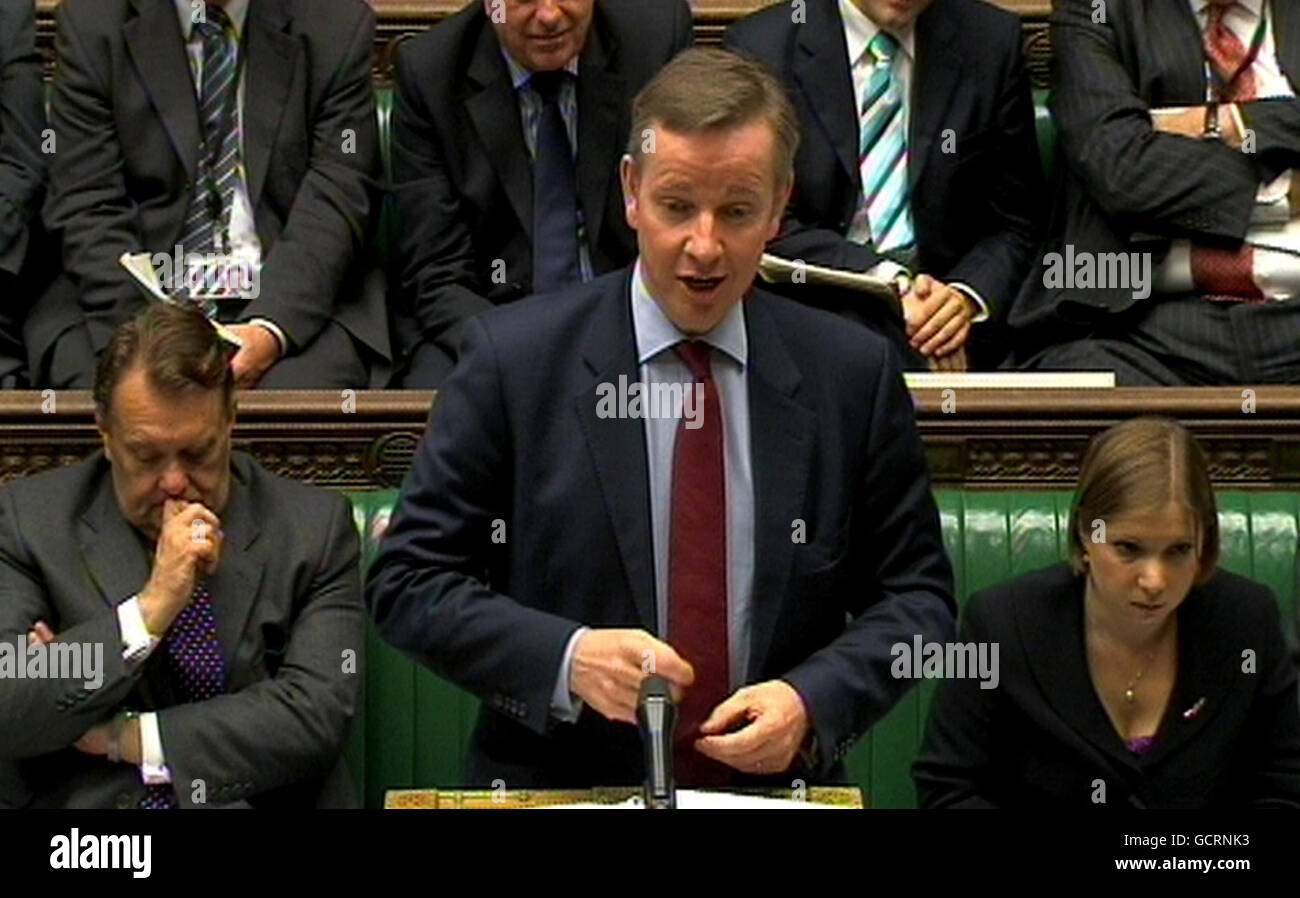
{"x":664,"y":471}
{"x":1180,"y":254}
{"x":223,"y":601}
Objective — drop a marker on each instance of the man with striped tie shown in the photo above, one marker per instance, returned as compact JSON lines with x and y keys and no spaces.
{"x":225,"y":602}
{"x":918,"y":164}
{"x":235,"y":142}
{"x":1178,"y":120}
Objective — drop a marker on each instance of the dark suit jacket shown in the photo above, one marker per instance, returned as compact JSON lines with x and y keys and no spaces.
{"x":126,"y":119}
{"x":22,"y":118}
{"x":463,"y":178}
{"x":976,"y":210}
{"x":515,"y":436}
{"x":1123,"y":179}
{"x":1042,"y":736}
{"x":287,"y":602}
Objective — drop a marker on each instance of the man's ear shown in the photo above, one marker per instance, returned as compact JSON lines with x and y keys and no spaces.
{"x":629,"y":174}
{"x":778,"y":214}
{"x":101,"y":425}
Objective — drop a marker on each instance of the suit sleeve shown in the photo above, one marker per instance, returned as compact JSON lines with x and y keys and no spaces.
{"x":1148,"y":182}
{"x":436,"y":243}
{"x":292,"y":726}
{"x":996,"y":264}
{"x":1273,"y":725}
{"x":427,"y":588}
{"x":329,"y":224}
{"x":906,"y":584}
{"x":957,"y":755}
{"x":38,"y":716}
{"x":22,"y":118}
{"x":88,"y":201}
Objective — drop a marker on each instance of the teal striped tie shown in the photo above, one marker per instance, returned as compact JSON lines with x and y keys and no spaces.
{"x":214,"y":188}
{"x":882,"y":152}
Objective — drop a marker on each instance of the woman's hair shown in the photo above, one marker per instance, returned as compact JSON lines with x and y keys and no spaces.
{"x":1142,"y":463}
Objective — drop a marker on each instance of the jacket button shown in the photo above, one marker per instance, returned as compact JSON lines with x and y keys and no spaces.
{"x":124,"y":801}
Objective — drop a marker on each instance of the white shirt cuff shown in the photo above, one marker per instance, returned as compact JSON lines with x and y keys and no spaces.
{"x":137,"y":642}
{"x":565,"y":706}
{"x":275,"y":331}
{"x":983,"y":313}
{"x":153,"y":765}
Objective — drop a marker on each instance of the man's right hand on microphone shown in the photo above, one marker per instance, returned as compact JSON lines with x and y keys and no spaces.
{"x":609,"y":665}
{"x":189,"y":546}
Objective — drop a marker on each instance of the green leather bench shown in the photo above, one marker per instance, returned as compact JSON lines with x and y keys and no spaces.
{"x":414,"y":726}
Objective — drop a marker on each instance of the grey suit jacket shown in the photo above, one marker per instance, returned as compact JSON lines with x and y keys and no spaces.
{"x":22,"y":116}
{"x":127,"y":124}
{"x":287,"y":601}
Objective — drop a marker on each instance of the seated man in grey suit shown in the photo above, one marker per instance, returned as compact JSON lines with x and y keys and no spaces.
{"x":201,"y":618}
{"x":236,"y":143}
{"x":22,"y":179}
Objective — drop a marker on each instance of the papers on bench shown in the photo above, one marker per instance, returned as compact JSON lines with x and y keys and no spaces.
{"x":1009,"y":380}
{"x":140,"y":267}
{"x":775,"y":269}
{"x":694,"y":799}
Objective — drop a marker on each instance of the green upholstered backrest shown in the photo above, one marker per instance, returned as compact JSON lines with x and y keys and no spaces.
{"x":414,"y":726}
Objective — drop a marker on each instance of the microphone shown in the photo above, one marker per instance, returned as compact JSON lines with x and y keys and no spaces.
{"x":656,"y":717}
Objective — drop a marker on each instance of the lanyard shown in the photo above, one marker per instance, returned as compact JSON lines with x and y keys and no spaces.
{"x":208,"y":155}
{"x":1219,"y":87}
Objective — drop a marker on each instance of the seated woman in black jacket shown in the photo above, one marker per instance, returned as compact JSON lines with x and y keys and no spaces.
{"x":1138,"y":675}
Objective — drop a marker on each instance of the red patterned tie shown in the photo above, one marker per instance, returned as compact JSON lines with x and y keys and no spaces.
{"x":1225,"y":275}
{"x":697,"y":570}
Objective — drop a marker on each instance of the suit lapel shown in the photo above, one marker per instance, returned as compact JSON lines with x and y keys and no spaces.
{"x":113,"y":554}
{"x":239,"y":573}
{"x":822,"y":72}
{"x":617,"y":447}
{"x":936,"y":72}
{"x":269,"y":68}
{"x":600,"y":94}
{"x":154,"y":44}
{"x":781,"y":453}
{"x":1051,"y":630}
{"x":494,"y":110}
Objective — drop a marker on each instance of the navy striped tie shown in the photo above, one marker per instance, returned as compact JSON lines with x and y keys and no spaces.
{"x":214,"y":188}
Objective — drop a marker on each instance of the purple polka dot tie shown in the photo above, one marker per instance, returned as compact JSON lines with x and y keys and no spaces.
{"x":197,"y":668}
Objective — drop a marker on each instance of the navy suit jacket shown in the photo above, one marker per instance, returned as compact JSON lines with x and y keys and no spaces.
{"x":515,"y":438}
{"x":975,"y":202}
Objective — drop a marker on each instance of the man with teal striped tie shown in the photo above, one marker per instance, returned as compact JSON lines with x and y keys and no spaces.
{"x":919,"y":163}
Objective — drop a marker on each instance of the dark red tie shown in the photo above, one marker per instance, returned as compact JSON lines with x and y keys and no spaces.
{"x":1226,"y":275}
{"x":697,"y":570}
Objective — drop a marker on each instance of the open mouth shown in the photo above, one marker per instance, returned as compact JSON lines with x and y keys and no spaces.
{"x":1146,"y":607}
{"x":702,"y":286}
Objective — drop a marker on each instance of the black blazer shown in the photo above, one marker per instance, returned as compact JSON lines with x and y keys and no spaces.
{"x":1042,"y":737}
{"x":22,"y":118}
{"x":286,"y":596}
{"x":463,"y":179}
{"x":975,"y":210}
{"x":515,"y":436}
{"x":125,"y":116}
{"x":1123,"y":179}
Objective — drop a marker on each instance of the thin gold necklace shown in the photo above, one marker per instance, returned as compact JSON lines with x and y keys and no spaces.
{"x":1130,"y":695}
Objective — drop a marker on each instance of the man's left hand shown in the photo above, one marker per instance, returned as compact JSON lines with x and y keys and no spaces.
{"x":772,"y":724}
{"x":259,"y":352}
{"x":1189,"y":121}
{"x":96,"y":740}
{"x":937,"y":317}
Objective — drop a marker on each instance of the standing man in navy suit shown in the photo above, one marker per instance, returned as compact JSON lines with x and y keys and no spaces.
{"x":918,"y":163}
{"x":761,"y":543}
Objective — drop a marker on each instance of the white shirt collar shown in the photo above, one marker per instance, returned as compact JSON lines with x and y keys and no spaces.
{"x":859,"y":31}
{"x":519,"y":75}
{"x":236,"y":9}
{"x":655,"y":333}
{"x":1254,"y":7}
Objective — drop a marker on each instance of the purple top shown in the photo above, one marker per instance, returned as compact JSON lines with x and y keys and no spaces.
{"x":1140,"y":745}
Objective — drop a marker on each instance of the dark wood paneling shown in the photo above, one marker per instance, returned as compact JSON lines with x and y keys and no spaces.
{"x":996,"y":439}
